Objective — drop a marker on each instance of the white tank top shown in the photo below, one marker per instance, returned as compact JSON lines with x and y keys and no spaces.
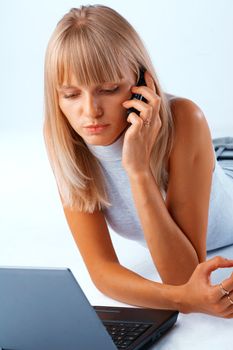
{"x":122,"y":216}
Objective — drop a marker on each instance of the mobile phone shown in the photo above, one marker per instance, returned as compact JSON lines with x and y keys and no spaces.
{"x":141,"y":81}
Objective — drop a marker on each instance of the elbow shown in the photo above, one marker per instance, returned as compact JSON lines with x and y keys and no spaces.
{"x":103,"y":278}
{"x":99,"y":280}
{"x":101,"y":285}
{"x":180,"y":275}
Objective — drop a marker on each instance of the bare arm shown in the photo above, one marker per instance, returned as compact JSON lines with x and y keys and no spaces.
{"x":175,"y":230}
{"x":127,"y":286}
{"x":172,"y":252}
{"x":92,"y":237}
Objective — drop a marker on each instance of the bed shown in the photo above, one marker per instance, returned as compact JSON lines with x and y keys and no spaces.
{"x":33,"y":232}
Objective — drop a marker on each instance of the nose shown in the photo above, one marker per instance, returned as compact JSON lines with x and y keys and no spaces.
{"x":92,"y":107}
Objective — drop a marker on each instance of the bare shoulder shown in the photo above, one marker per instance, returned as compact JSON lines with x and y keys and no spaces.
{"x":185,"y":112}
{"x":192,"y":132}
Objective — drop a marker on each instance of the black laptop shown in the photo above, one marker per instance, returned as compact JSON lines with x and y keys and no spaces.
{"x":45,"y":308}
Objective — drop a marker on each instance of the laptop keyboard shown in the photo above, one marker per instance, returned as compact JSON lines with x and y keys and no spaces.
{"x":124,"y":334}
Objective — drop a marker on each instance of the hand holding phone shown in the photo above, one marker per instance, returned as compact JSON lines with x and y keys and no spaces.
{"x":141,"y":81}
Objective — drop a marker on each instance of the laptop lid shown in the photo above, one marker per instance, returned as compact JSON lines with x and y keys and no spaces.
{"x":45,"y":308}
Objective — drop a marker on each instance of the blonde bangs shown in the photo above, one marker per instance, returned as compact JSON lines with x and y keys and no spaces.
{"x":89,"y":58}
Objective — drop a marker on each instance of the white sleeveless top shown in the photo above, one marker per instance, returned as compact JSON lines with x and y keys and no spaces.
{"x":122,"y":216}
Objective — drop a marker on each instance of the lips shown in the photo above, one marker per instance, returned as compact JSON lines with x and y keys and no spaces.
{"x":95,"y":125}
{"x":96,"y":129}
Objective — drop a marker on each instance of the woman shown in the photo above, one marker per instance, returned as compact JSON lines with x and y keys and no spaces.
{"x":148,"y":174}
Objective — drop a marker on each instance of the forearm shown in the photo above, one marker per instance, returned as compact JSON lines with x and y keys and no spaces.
{"x":126,"y":286}
{"x":172,"y":252}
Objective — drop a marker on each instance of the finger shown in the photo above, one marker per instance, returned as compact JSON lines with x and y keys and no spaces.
{"x":139,"y":105}
{"x":229,"y":300}
{"x":221,"y":306}
{"x":149,"y":94}
{"x":149,"y":81}
{"x":135,"y":120}
{"x":228,"y":284}
{"x":229,"y":316}
{"x":215,"y":263}
{"x":226,"y":299}
{"x":227,"y":310}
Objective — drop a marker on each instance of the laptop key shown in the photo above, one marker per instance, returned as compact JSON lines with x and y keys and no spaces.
{"x":133,"y":333}
{"x":124,"y":334}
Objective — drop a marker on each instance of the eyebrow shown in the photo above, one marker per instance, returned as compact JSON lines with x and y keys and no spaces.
{"x":66,"y":87}
{"x":69,"y":87}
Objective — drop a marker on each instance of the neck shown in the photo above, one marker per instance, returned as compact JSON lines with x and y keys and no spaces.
{"x":110,"y":152}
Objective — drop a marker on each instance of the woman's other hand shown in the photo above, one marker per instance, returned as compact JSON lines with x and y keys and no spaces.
{"x":198,"y":295}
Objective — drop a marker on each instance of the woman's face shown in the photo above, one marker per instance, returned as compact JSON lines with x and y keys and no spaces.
{"x":97,"y":105}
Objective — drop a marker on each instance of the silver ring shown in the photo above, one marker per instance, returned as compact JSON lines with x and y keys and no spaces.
{"x":223,"y":290}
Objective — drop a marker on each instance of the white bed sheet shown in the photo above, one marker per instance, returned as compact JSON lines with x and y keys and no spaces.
{"x":33,"y":232}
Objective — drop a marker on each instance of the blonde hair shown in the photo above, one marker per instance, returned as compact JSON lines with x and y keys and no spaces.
{"x":91,"y":42}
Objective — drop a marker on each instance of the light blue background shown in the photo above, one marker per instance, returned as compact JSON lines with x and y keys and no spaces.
{"x":190,"y":43}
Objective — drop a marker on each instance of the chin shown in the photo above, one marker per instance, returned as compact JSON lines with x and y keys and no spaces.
{"x":97,"y":140}
{"x":104,"y":140}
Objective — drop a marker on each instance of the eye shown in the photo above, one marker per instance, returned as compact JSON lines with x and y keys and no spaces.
{"x":70,"y":96}
{"x":110,"y":90}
